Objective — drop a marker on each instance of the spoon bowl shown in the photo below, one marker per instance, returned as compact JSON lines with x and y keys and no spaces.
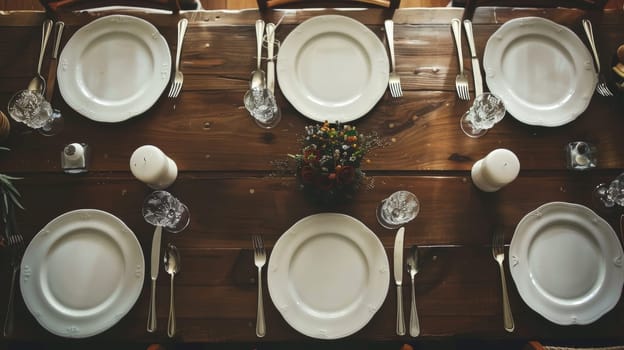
{"x":258,"y":79}
{"x":37,"y":83}
{"x":172,"y":259}
{"x":172,"y":266}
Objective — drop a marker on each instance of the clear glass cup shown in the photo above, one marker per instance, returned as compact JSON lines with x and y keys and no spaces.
{"x":611,"y":194}
{"x":487,"y":110}
{"x":398,"y":209}
{"x":31,"y":108}
{"x":160,"y":208}
{"x":263,"y":107}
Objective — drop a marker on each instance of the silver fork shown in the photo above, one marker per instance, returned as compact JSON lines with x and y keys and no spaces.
{"x":259,"y":261}
{"x":394,"y":82}
{"x":17,"y":247}
{"x":498,"y":251}
{"x":461,"y":80}
{"x":601,"y":87}
{"x":412,"y":269}
{"x":178,"y":78}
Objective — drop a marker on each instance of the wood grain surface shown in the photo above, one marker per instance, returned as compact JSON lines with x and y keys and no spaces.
{"x":233,"y":190}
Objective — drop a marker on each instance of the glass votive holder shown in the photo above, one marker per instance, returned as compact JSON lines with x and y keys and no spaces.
{"x":611,"y":194}
{"x":30,"y":108}
{"x":160,"y":208}
{"x":263,"y":107}
{"x":486,"y":110}
{"x":398,"y":209}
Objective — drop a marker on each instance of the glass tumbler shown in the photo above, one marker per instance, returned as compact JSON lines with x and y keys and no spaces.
{"x":398,"y":209}
{"x":31,"y":108}
{"x":263,"y":107}
{"x":611,"y":194}
{"x":160,"y":208}
{"x":487,"y":110}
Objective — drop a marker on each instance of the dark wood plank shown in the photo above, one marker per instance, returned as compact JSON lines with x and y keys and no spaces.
{"x":227,"y":180}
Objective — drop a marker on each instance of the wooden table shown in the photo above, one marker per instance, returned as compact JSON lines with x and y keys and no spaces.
{"x":225,"y":177}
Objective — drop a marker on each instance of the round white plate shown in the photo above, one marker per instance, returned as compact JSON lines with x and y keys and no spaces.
{"x":542,"y":71}
{"x":332,"y":68}
{"x":567,"y":263}
{"x":82,"y":273}
{"x":114,"y":68}
{"x":328,"y":275}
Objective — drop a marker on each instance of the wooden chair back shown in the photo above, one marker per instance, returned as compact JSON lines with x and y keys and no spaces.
{"x":471,"y":5}
{"x":267,"y":4}
{"x":55,"y":6}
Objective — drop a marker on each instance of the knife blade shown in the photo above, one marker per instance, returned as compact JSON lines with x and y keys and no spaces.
{"x":270,"y":32}
{"x":398,"y":278}
{"x":155,"y":265}
{"x":58,"y":30}
{"x":476,"y":69}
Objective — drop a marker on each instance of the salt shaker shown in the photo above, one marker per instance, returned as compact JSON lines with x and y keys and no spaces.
{"x":74,"y":158}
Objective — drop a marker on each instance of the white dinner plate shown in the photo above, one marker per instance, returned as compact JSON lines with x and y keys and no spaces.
{"x":567,"y":263}
{"x":114,"y":68}
{"x":332,"y":68}
{"x":82,"y":273}
{"x":542,"y":71}
{"x":328,"y":274}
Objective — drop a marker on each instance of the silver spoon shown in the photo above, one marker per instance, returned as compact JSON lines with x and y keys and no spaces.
{"x":172,"y":266}
{"x":257,"y":76}
{"x":37,"y":83}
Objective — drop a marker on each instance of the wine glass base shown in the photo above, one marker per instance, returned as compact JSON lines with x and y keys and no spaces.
{"x":383,"y":222}
{"x":468,"y":128}
{"x":54,"y":125}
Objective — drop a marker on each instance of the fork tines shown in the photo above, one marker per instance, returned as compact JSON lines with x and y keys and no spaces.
{"x":257,"y":242}
{"x":603,"y":89}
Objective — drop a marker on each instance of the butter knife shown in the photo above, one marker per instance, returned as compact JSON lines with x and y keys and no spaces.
{"x":270,"y":33}
{"x":151,"y":316}
{"x":398,"y":278}
{"x":58,"y":30}
{"x":476,"y":69}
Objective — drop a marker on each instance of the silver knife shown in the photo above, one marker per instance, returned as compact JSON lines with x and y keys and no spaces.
{"x":398,"y":278}
{"x":151,"y":316}
{"x":270,"y":33}
{"x":476,"y":69}
{"x":58,"y":29}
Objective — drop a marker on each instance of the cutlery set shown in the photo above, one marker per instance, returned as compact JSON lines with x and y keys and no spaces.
{"x":412,"y":269}
{"x":172,"y":265}
{"x":260,"y":99}
{"x":498,"y":252}
{"x":461,"y":80}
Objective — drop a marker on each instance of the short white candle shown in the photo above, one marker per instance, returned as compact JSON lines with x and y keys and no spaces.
{"x":499,"y":168}
{"x":150,"y":165}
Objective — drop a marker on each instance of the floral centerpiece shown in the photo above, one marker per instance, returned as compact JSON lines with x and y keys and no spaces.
{"x":329,"y":165}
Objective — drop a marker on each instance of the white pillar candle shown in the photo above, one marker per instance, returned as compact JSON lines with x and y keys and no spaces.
{"x":150,"y":165}
{"x":497,"y":169}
